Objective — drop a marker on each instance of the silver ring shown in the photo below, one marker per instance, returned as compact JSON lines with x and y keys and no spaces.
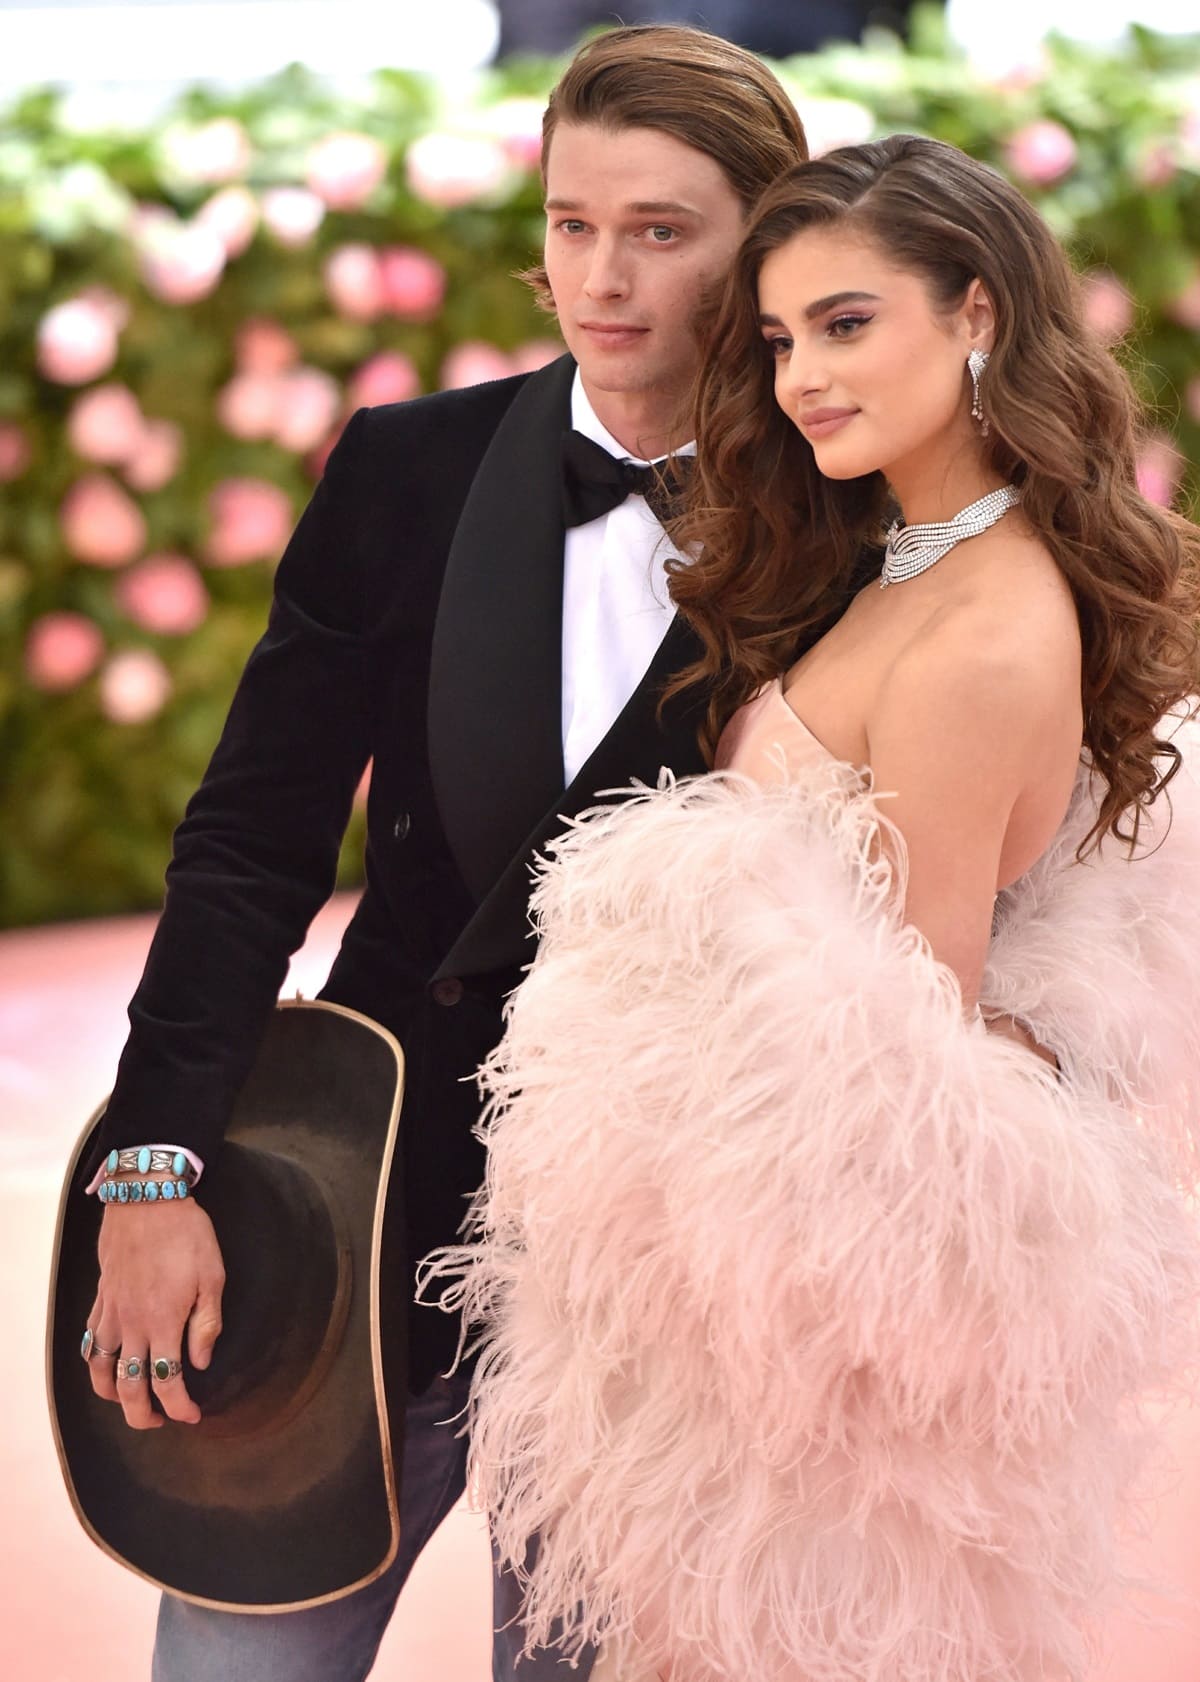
{"x":134,"y":1369}
{"x":163,"y":1370}
{"x":89,"y":1348}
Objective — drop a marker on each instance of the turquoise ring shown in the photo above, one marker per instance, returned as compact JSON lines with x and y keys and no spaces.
{"x":89,"y":1348}
{"x":134,"y":1369}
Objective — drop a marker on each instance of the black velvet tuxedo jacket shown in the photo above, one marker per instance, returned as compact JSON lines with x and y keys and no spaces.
{"x":417,"y":620}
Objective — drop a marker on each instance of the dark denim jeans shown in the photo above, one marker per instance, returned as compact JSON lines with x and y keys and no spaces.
{"x":338,"y":1642}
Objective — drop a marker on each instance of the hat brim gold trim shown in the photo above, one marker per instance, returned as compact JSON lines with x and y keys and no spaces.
{"x":376,"y":1347}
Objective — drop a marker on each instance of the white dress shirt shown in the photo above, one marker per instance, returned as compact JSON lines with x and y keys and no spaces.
{"x":616,"y":609}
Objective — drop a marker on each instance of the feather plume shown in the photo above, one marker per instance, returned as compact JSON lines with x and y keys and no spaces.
{"x":816,"y":1320}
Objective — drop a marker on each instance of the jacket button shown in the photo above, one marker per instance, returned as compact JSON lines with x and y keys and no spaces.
{"x":401,"y":827}
{"x":447,"y":992}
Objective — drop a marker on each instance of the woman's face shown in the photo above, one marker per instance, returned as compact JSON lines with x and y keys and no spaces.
{"x":865,"y":367}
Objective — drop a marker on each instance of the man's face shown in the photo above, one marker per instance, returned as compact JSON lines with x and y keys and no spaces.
{"x":639,"y":227}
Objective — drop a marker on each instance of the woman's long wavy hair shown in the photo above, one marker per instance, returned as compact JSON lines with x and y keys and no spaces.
{"x":780,"y":549}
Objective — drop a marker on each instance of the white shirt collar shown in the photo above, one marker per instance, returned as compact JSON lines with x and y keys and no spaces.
{"x":584,"y":419}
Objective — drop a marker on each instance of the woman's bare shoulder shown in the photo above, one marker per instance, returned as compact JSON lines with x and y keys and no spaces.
{"x":1003,"y":643}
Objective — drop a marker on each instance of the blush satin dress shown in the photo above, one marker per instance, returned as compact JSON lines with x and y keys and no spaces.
{"x":767,"y":740}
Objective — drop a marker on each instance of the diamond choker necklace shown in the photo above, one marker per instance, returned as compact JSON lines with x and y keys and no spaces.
{"x":912,"y":549}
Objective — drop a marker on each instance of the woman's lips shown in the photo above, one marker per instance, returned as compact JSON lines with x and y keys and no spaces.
{"x":821,"y":426}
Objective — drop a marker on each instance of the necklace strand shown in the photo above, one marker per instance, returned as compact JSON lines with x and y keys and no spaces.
{"x":913,"y":549}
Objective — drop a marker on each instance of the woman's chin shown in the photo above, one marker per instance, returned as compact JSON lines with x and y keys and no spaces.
{"x":840,"y":459}
{"x":845,"y":467}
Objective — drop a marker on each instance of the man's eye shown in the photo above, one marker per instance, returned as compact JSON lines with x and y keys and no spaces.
{"x":569,"y":225}
{"x":662,"y":235}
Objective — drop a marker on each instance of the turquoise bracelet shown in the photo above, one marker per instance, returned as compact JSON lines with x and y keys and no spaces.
{"x":143,"y":1191}
{"x":146,"y":1159}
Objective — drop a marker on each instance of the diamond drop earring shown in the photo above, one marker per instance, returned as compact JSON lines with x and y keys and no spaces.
{"x":976,"y":363}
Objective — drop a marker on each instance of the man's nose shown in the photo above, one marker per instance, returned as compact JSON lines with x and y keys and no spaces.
{"x":607,"y":275}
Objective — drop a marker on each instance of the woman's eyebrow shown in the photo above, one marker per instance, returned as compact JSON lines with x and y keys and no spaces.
{"x":811,"y":311}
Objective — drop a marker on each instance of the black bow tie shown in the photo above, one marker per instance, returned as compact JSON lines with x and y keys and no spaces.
{"x":594,"y":483}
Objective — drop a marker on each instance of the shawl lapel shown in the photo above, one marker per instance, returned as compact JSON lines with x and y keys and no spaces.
{"x":495,"y":732}
{"x":495,"y":687}
{"x":638,"y":745}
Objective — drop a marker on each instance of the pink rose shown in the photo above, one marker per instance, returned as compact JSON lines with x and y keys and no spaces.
{"x":156,"y":458}
{"x":250,"y":405}
{"x":345,"y":169}
{"x":134,"y":686}
{"x":181,"y":262}
{"x":1157,"y":164}
{"x":111,"y":305}
{"x":473,"y":362}
{"x":76,"y":342}
{"x":388,"y":377}
{"x":163,"y":594}
{"x":534,"y":354}
{"x":517,"y":124}
{"x":251,"y":519}
{"x":354,"y":282}
{"x":215,"y":151}
{"x":147,"y":221}
{"x":232,"y":214}
{"x":1041,"y":152}
{"x":1159,"y":469}
{"x":62,"y":649}
{"x":1189,"y":136}
{"x":295,"y":408}
{"x":292,"y":214}
{"x":101,"y":524}
{"x":262,"y":346}
{"x":1184,"y":307}
{"x":449,"y":170}
{"x":15,"y":453}
{"x":105,"y":424}
{"x":414,"y":283}
{"x":1025,"y":73}
{"x":1107,"y":305}
{"x":312,"y":401}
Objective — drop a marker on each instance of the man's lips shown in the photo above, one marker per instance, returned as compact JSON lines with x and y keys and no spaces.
{"x":612,"y":333}
{"x":819,"y":423}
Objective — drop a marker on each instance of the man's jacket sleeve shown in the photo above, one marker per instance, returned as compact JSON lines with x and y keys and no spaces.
{"x":256,"y":853}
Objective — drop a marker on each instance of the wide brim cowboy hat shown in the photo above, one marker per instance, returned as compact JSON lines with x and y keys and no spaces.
{"x":285,"y":1494}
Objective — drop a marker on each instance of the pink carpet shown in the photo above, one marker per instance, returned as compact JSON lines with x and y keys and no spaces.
{"x":70,"y":1615}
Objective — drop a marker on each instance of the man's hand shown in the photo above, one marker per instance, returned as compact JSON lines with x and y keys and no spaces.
{"x":160,"y":1271}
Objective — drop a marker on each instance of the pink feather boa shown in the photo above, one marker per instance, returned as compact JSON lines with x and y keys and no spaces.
{"x":816,"y":1319}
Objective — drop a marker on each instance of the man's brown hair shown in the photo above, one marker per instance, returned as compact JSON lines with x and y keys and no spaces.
{"x":713,"y":96}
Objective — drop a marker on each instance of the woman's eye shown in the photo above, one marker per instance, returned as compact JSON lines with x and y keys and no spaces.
{"x":844,"y":326}
{"x":778,"y":347}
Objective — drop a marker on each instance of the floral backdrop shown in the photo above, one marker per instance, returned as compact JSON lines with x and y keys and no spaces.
{"x":189,"y":315}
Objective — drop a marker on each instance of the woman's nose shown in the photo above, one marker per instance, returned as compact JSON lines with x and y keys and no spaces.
{"x":799,"y":375}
